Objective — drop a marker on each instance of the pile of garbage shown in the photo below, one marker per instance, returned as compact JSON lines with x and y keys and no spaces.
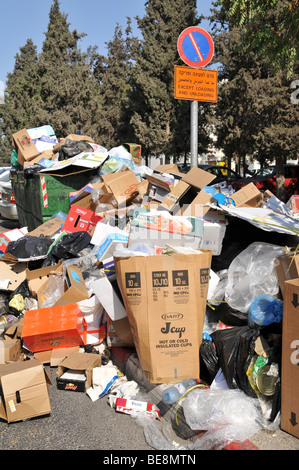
{"x":178,"y":276}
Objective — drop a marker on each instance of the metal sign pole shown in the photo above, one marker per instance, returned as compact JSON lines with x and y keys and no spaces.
{"x":194,"y":133}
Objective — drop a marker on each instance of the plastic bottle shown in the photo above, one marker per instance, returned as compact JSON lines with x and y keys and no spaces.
{"x":173,"y":393}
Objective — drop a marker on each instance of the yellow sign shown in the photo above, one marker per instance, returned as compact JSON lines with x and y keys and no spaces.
{"x":195,"y":84}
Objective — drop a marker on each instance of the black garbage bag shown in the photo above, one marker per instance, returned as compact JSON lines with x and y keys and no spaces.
{"x":235,"y":349}
{"x":68,"y":247}
{"x":29,"y":247}
{"x":32,"y":169}
{"x":209,"y":364}
{"x":72,"y":148}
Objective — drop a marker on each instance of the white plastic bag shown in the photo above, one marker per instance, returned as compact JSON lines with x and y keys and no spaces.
{"x":252,"y":273}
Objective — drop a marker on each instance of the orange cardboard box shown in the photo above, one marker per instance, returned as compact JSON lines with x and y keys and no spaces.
{"x":53,"y":327}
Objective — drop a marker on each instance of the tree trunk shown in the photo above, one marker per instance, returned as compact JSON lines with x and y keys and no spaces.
{"x":280,"y":179}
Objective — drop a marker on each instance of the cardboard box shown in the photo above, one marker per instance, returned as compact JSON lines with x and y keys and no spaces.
{"x":25,"y":390}
{"x":10,"y":350}
{"x":165,"y":298}
{"x":25,"y":147}
{"x":200,"y":205}
{"x":55,"y":356}
{"x":214,"y":228}
{"x":290,"y":359}
{"x":111,"y":299}
{"x":249,"y":196}
{"x":80,"y":219}
{"x":123,"y":186}
{"x":157,"y":228}
{"x":36,"y":278}
{"x":74,"y":288}
{"x":75,"y":371}
{"x":187,"y":189}
{"x":287,"y":268}
{"x":107,"y":237}
{"x":53,"y":327}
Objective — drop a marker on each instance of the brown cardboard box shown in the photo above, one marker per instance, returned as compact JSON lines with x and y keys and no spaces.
{"x":36,"y":278}
{"x":186,"y":190}
{"x":10,"y":350}
{"x":55,"y":356}
{"x":165,"y":298}
{"x":249,"y":196}
{"x":81,"y":362}
{"x":74,"y":288}
{"x":290,"y":359}
{"x":287,"y":268}
{"x":123,"y":186}
{"x":25,"y":147}
{"x":25,"y":391}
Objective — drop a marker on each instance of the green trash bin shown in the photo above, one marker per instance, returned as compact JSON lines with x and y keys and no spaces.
{"x":39,"y":196}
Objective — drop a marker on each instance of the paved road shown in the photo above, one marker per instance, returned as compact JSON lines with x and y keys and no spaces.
{"x":77,"y":423}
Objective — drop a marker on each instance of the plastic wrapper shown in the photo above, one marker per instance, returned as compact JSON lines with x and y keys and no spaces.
{"x":252,"y":273}
{"x":227,"y":416}
{"x":53,"y":290}
{"x":265,"y":310}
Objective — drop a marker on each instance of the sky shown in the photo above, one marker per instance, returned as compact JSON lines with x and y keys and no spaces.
{"x":22,"y":20}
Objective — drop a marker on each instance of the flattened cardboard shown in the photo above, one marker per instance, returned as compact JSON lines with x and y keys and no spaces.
{"x":290,"y":359}
{"x":25,"y":390}
{"x":165,"y":299}
{"x":48,"y":228}
{"x":82,"y":362}
{"x":53,"y":327}
{"x":249,"y":196}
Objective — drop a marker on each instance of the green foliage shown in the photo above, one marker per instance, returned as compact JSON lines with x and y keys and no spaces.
{"x":159,"y":121}
{"x":271,"y":29}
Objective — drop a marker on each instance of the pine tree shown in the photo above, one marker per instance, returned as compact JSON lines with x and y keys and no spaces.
{"x":256,"y":118}
{"x":113,"y":74}
{"x":160,"y":121}
{"x":68,"y":89}
{"x":21,"y":93}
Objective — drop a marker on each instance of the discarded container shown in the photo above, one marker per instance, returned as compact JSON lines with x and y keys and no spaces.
{"x":266,"y":379}
{"x":39,"y":196}
{"x":174,"y":393}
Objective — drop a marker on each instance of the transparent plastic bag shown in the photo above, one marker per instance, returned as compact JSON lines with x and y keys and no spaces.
{"x":227,"y":416}
{"x":252,"y":273}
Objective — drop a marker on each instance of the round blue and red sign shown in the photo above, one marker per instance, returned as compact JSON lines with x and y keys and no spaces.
{"x":195,"y":46}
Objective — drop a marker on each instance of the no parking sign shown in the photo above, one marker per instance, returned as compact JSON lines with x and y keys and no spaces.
{"x":195,"y":46}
